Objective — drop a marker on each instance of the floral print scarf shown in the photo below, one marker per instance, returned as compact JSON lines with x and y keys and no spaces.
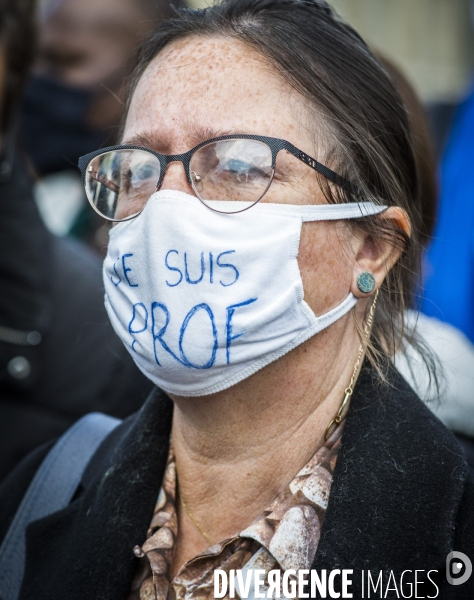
{"x":285,"y":535}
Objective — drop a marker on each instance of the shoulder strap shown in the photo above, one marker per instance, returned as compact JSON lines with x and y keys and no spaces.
{"x":51,"y":489}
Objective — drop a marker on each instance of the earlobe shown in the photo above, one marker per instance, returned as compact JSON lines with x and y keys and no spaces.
{"x":375,"y":257}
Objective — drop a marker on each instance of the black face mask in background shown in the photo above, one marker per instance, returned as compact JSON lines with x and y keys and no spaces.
{"x":53,"y":125}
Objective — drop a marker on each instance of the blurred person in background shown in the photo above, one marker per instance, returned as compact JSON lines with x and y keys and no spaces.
{"x":449,"y":262}
{"x":73,"y":102}
{"x":454,"y":402}
{"x":59,"y":357}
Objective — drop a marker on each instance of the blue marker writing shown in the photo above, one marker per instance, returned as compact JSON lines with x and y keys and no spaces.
{"x":228,"y":327}
{"x":227,"y":266}
{"x":211,"y":268}
{"x":119,"y":279}
{"x":173,"y":269}
{"x":203,"y":268}
{"x":184,"y":326}
{"x":135,"y":314}
{"x":159,"y":336}
{"x":127,"y":270}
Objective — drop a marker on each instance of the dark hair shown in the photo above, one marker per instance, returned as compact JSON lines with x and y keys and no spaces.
{"x":17,"y":38}
{"x":367,"y":131}
{"x":423,"y":147}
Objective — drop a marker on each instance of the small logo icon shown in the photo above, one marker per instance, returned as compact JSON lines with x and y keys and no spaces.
{"x":458,"y":568}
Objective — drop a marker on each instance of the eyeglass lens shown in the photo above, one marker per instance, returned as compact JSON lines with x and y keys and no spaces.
{"x":120,"y":182}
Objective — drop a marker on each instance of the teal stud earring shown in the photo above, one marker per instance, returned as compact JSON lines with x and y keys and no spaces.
{"x":366,"y":282}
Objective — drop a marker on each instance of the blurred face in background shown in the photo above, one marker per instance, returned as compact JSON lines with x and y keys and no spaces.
{"x":74,"y":101}
{"x":87,"y":43}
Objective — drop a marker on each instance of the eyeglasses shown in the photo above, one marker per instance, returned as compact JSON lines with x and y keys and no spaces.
{"x":224,"y":172}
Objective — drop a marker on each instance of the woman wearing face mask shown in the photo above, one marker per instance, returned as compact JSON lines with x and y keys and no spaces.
{"x":265,"y":204}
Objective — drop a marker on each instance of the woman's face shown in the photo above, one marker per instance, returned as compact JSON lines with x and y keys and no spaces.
{"x":199,"y":88}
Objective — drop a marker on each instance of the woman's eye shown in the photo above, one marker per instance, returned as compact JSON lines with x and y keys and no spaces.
{"x":238,"y":166}
{"x":142,"y":174}
{"x":242,"y":172}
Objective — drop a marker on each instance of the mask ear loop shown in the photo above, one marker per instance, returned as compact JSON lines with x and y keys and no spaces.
{"x":341,"y":413}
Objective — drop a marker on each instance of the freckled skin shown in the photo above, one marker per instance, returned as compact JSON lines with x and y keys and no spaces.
{"x":236,"y":449}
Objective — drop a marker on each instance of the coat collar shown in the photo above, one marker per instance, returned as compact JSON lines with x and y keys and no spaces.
{"x":396,"y":488}
{"x":397,"y":485}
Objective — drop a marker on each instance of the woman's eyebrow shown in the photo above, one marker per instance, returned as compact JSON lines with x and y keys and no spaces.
{"x":198,"y":133}
{"x":194,"y":137}
{"x":148,"y":140}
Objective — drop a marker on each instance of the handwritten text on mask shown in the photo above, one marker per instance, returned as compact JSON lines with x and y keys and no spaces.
{"x":214,"y":269}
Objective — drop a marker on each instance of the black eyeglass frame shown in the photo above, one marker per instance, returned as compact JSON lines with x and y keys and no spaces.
{"x":275,"y":145}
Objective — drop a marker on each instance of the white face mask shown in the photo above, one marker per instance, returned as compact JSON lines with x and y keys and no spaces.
{"x":203,"y":300}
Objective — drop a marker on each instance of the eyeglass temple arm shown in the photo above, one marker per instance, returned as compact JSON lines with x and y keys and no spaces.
{"x":326,"y":171}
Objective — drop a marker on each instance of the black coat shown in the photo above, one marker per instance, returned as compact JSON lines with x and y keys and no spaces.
{"x":402,"y":498}
{"x":53,"y":286}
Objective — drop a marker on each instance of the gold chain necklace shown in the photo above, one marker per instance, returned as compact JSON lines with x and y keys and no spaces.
{"x":350,"y":388}
{"x":334,"y":422}
{"x":196,"y":522}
